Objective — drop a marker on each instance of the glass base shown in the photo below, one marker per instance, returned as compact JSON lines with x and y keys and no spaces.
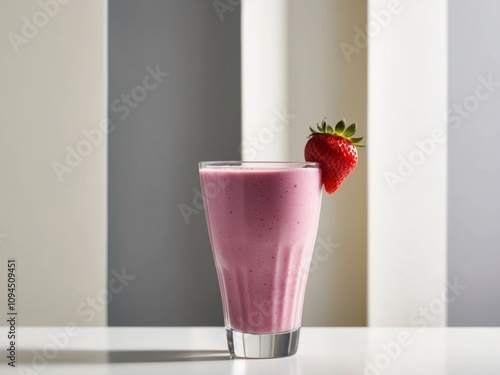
{"x":263,"y":345}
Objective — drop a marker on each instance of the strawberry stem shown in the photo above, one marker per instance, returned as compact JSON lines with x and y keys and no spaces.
{"x":340,"y":130}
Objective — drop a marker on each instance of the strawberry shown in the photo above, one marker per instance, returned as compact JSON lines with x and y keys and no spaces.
{"x":335,"y":151}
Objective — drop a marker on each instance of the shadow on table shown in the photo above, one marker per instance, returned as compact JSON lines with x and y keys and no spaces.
{"x":124,"y":356}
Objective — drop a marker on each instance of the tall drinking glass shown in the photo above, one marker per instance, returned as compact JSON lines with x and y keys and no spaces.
{"x":262,"y":221}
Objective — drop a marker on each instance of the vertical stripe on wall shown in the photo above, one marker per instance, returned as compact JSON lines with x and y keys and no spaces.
{"x":407,"y":96}
{"x":473,"y":162}
{"x":295,"y":73}
{"x":179,"y":63}
{"x":53,"y":159}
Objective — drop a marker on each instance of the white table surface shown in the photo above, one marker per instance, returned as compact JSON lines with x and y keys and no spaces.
{"x":200,"y":350}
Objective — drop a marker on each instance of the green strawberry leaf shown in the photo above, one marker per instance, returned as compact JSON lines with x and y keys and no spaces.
{"x":312,"y":132}
{"x":355,"y":140}
{"x":339,"y":128}
{"x":330,"y":129}
{"x":349,"y":132}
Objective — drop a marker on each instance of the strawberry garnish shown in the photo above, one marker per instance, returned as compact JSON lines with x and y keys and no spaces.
{"x":335,"y":150}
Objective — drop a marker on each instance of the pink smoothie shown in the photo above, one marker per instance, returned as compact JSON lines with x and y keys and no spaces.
{"x":262,"y":225}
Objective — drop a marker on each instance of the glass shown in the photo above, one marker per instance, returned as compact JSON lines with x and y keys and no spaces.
{"x":262,"y":221}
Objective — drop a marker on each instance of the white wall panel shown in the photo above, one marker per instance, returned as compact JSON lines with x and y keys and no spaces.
{"x":407,"y":97}
{"x":265,"y":119}
{"x":53,"y":68}
{"x":294,"y":73}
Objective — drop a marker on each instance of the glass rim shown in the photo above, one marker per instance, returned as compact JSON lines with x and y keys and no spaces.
{"x":258,"y":164}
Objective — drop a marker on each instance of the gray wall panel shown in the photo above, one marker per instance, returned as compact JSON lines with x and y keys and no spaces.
{"x":193,"y":114}
{"x":474,"y":162}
